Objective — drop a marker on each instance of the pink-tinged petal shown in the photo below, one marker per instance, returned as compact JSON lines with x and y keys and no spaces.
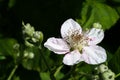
{"x":94,"y":54}
{"x":69,"y":27}
{"x":57,"y":45}
{"x":72,"y":58}
{"x":95,"y":36}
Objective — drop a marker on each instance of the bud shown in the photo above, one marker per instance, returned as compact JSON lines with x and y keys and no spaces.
{"x":18,"y":54}
{"x":28,"y":44}
{"x":28,"y":54}
{"x":95,"y":77}
{"x":102,"y":68}
{"x":16,"y":46}
{"x":96,"y":70}
{"x":25,"y":54}
{"x":28,"y":29}
{"x":37,"y":36}
{"x":97,"y":25}
{"x":108,"y":75}
{"x":31,"y":55}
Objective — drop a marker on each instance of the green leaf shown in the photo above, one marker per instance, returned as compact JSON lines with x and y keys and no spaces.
{"x":83,"y":67}
{"x":59,"y":75}
{"x":37,"y":62}
{"x":118,"y":10}
{"x":11,"y":3}
{"x":16,"y":78}
{"x":83,"y":78}
{"x":6,"y":46}
{"x":94,"y":11}
{"x":31,"y":63}
{"x":45,"y":76}
{"x":116,"y":1}
{"x":109,"y":55}
{"x":115,"y":62}
{"x":2,"y":57}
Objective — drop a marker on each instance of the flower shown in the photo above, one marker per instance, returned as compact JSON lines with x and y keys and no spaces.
{"x":78,"y":45}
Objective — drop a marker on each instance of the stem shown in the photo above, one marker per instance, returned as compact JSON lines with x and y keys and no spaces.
{"x":12,"y":72}
{"x":117,"y":75}
{"x":44,"y":59}
{"x":45,"y":62}
{"x":69,"y":73}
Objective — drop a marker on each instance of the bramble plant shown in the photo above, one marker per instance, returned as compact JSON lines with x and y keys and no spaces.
{"x":79,"y":51}
{"x":78,"y":45}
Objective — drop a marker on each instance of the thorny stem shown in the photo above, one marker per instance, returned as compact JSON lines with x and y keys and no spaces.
{"x":44,"y":59}
{"x":117,"y":75}
{"x":12,"y":72}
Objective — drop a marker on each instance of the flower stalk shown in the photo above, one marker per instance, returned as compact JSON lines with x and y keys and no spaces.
{"x":12,"y":72}
{"x":117,"y":75}
{"x":45,"y":61}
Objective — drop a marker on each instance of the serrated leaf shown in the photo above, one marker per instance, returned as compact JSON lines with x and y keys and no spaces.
{"x":97,"y":12}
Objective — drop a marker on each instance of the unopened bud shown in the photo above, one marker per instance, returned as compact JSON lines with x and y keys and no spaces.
{"x":108,"y":75}
{"x":16,"y":46}
{"x":95,"y":77}
{"x":28,"y":29}
{"x":96,"y":70}
{"x":97,"y":25}
{"x":102,"y":68}
{"x":28,"y":44}
{"x":25,"y":53}
{"x":28,"y":54}
{"x":37,"y":36}
{"x":31,"y":55}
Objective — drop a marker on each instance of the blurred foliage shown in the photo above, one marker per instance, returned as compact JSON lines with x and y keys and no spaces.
{"x":6,"y":46}
{"x":47,"y":16}
{"x":115,"y":62}
{"x":94,"y":11}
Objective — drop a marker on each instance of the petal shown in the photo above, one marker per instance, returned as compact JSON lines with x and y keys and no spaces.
{"x":95,"y":36}
{"x":94,"y":54}
{"x":69,"y":27}
{"x":57,"y":45}
{"x":72,"y":58}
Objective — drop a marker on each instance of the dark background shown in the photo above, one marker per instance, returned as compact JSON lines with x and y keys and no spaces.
{"x":46,"y":16}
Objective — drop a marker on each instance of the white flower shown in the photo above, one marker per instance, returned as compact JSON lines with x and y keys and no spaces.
{"x":78,"y":45}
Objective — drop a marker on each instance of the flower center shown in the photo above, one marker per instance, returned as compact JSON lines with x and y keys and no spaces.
{"x":77,"y":41}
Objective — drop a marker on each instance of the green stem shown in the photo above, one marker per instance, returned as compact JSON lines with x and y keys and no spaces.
{"x":117,"y":75}
{"x":69,"y":73}
{"x":12,"y":72}
{"x":44,"y":59}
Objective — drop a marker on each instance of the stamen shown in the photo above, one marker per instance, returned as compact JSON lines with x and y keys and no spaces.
{"x":77,"y":40}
